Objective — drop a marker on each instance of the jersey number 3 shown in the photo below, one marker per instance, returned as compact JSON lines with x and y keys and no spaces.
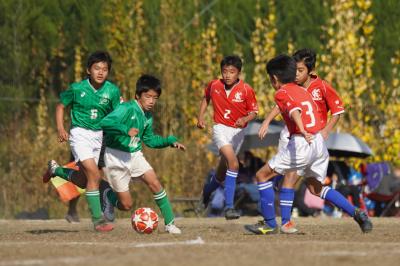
{"x":310,"y":113}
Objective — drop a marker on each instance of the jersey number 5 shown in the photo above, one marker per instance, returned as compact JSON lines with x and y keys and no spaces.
{"x":310,"y":113}
{"x":93,"y":113}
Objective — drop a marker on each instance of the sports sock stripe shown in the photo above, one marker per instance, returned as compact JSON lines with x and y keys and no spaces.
{"x":160,"y":195}
{"x":324,"y":191}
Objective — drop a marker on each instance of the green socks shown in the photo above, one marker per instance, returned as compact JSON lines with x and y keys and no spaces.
{"x":93,"y":200}
{"x":64,"y":173}
{"x":165,"y":206}
{"x":112,"y":197}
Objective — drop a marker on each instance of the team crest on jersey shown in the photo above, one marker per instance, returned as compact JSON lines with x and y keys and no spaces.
{"x":104,"y":100}
{"x":238,"y":97}
{"x":316,"y":94}
{"x":83,"y":94}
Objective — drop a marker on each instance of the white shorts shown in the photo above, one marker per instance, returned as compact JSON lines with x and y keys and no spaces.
{"x":225,"y":135}
{"x":309,"y":160}
{"x":121,"y":166}
{"x":283,"y":138}
{"x":85,"y":143}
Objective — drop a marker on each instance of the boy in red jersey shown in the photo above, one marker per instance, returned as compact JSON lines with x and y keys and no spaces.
{"x":305,"y":152}
{"x":234,"y":105}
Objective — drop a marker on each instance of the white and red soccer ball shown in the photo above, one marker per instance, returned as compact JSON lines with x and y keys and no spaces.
{"x":144,"y":220}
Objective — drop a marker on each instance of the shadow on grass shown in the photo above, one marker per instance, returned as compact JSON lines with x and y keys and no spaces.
{"x":50,"y":231}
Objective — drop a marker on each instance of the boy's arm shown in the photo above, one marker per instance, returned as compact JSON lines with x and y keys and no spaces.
{"x":200,"y":118}
{"x":62,"y":133}
{"x":156,"y":141}
{"x":113,"y":122}
{"x":329,"y":126}
{"x":268,"y":118}
{"x":296,"y":117}
{"x":335,"y":106}
{"x":241,"y":122}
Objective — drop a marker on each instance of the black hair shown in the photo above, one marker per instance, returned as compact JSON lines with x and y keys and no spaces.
{"x":146,"y":83}
{"x":232,"y":60}
{"x":99,"y":56}
{"x":283,"y":67}
{"x":307,"y":56}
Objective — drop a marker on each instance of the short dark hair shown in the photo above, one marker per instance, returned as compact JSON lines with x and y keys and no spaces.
{"x":307,"y":56}
{"x":232,"y":60}
{"x":99,"y":56}
{"x":283,"y":67}
{"x":148,"y":82}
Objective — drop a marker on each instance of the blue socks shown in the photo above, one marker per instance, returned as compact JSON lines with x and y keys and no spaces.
{"x":267,"y":199}
{"x":230,"y":184}
{"x":338,"y":200}
{"x":286,"y":197}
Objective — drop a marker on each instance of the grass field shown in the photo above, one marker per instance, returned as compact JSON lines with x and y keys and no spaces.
{"x":205,"y":241}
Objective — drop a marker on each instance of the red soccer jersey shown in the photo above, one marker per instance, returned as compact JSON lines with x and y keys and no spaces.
{"x":326,"y":98}
{"x":291,"y":97}
{"x":231,"y":105}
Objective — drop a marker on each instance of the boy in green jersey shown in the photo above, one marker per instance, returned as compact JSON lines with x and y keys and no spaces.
{"x":125,"y":129}
{"x":90,"y":100}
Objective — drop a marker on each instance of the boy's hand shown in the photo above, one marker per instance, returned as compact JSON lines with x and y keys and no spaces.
{"x":325,"y":134}
{"x":309,"y":137}
{"x":263,"y":130}
{"x":241,"y":122}
{"x":62,"y":135}
{"x":200,"y":123}
{"x":179,"y":146}
{"x":133,"y":132}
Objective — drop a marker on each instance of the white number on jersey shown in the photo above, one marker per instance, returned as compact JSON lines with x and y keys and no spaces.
{"x":310,"y":113}
{"x":93,"y":113}
{"x":227,"y":113}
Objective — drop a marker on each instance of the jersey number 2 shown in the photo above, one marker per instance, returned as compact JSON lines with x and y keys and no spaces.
{"x":227,"y":113}
{"x":310,"y":113}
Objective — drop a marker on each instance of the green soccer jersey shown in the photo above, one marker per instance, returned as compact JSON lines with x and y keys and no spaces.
{"x":88,"y":105}
{"x":130,"y":115}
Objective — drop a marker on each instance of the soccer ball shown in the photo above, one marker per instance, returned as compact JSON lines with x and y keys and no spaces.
{"x":144,"y":220}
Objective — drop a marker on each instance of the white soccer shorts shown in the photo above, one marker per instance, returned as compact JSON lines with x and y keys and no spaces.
{"x":225,"y":135}
{"x":284,"y":137}
{"x":85,"y":143}
{"x":309,"y":160}
{"x":121,"y":166}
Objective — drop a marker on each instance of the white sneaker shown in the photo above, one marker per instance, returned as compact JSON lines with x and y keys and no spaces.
{"x":52,"y":165}
{"x":107,"y":208}
{"x":172,"y":229}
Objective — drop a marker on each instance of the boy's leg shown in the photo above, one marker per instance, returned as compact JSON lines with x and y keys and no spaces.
{"x":286,"y":197}
{"x":161,"y":198}
{"x":89,"y":167}
{"x":72,"y":214}
{"x":215,"y":182}
{"x":230,"y":180}
{"x":339,"y":201}
{"x":267,"y":200}
{"x":68,"y":174}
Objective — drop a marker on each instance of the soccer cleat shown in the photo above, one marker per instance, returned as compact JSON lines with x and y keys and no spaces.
{"x":363,"y":220}
{"x":261,"y":228}
{"x":172,"y":229}
{"x":107,"y":207}
{"x":102,"y":226}
{"x":72,"y":218}
{"x":51,"y":168}
{"x":231,"y":214}
{"x":289,"y":228}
